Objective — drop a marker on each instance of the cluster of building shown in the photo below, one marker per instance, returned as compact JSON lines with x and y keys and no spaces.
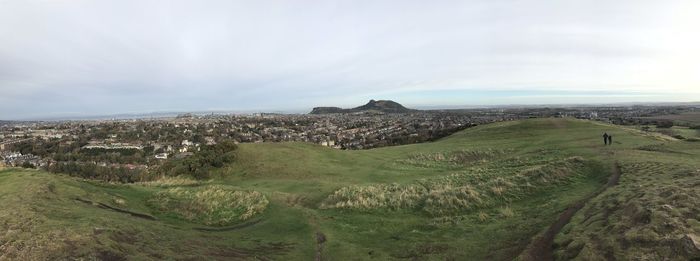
{"x":17,"y":159}
{"x":158,"y":139}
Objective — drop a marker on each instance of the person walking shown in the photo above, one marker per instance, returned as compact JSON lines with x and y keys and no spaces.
{"x":609,"y":139}
{"x":605,"y":138}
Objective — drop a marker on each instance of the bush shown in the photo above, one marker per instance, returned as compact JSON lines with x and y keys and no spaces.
{"x":93,"y":171}
{"x":664,"y":124}
{"x":202,"y":162}
{"x":28,"y":165}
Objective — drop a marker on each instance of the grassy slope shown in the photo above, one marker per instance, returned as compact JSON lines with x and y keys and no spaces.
{"x":296,"y":177}
{"x":653,"y":214}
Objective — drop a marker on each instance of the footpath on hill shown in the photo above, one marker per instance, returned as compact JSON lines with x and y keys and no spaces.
{"x":540,"y":248}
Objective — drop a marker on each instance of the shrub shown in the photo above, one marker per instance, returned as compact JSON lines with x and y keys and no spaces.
{"x":202,"y":162}
{"x":28,"y":165}
{"x":664,"y":124}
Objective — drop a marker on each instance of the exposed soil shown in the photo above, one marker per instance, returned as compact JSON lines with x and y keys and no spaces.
{"x":107,"y":255}
{"x":320,"y":239}
{"x":105,"y":206}
{"x":540,"y":248}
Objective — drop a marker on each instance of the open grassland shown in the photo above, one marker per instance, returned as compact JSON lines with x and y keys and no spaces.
{"x":480,"y":194}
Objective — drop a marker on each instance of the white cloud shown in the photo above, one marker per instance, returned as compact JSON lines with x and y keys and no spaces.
{"x":103,"y":56}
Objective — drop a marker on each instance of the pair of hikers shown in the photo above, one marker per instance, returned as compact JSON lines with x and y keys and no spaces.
{"x":607,"y":139}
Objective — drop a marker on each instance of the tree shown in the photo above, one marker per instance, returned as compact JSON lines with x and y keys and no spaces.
{"x":664,"y":124}
{"x":28,"y":165}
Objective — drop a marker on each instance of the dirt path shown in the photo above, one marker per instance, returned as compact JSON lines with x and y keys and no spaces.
{"x":540,"y":248}
{"x":319,"y":237}
{"x":108,"y":207}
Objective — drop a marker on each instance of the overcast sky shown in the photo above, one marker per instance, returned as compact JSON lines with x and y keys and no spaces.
{"x":65,"y":58}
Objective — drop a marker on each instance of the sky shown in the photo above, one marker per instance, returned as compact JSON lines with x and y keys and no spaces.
{"x":66,"y":58}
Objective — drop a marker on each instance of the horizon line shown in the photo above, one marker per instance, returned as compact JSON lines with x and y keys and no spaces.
{"x":298,"y":111}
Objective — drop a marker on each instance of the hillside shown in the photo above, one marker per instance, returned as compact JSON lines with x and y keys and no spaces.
{"x":487,"y":192}
{"x":385,"y":106}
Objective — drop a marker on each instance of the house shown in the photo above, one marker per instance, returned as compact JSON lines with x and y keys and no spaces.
{"x":162,"y":156}
{"x":183,"y":155}
{"x":329,"y":143}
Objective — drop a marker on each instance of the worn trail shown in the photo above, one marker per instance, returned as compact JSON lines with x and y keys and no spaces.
{"x":108,"y":207}
{"x":540,"y":249}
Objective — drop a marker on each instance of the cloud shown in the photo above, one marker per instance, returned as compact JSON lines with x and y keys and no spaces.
{"x":103,"y":57}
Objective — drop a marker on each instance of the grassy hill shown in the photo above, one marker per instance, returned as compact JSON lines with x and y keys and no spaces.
{"x":385,"y":106}
{"x":483,"y":193}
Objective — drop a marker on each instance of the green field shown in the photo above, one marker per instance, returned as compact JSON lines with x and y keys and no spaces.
{"x":677,"y":132}
{"x":480,"y":194}
{"x":686,"y":118}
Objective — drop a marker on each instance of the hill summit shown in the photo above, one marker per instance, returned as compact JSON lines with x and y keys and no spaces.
{"x":386,"y":106}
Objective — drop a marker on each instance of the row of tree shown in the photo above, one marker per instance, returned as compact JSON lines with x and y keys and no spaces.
{"x":199,"y":166}
{"x":93,"y":171}
{"x":202,"y":162}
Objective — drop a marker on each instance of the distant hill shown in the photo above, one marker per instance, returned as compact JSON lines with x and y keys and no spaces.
{"x":386,"y":106}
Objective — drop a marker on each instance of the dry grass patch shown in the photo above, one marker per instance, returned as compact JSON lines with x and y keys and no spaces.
{"x":507,"y":212}
{"x":210,"y":205}
{"x":392,"y":196}
{"x":469,"y":190}
{"x":483,"y":216}
{"x":453,"y":158}
{"x":171,"y":182}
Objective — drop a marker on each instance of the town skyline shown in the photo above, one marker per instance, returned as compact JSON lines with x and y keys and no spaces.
{"x":135,"y":115}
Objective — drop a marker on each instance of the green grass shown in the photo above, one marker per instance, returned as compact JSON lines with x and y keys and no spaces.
{"x":478,"y":194}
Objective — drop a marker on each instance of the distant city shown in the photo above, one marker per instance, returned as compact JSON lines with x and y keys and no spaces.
{"x":141,"y":144}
